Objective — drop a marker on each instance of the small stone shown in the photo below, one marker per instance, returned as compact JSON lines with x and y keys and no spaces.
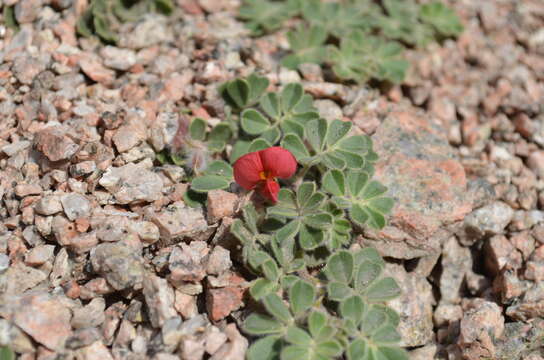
{"x":83,"y":168}
{"x":55,"y":144}
{"x":534,"y":270}
{"x":20,"y":278}
{"x":159,"y":297}
{"x":23,"y":190}
{"x":170,"y":331}
{"x":480,"y":325}
{"x":63,"y":230}
{"x":328,"y":109}
{"x":218,"y":261}
{"x":456,"y":262}
{"x":14,"y":148}
{"x":75,"y":206}
{"x":530,"y":306}
{"x":45,"y":319}
{"x":94,"y":69}
{"x":89,"y":315}
{"x":214,"y":339}
{"x":146,"y":230}
{"x":426,"y":352}
{"x":414,"y":306}
{"x":178,"y":221}
{"x":95,"y":351}
{"x":4,"y":262}
{"x":48,"y":205}
{"x":221,"y":204}
{"x":508,"y":285}
{"x":188,"y":262}
{"x":235,"y":348}
{"x":185,"y":305}
{"x":500,"y":253}
{"x":221,"y":302}
{"x":535,"y":161}
{"x":83,"y":243}
{"x":117,"y":58}
{"x":489,"y":220}
{"x":39,"y":255}
{"x":524,"y":242}
{"x":83,"y":337}
{"x":119,"y":264}
{"x":26,"y":11}
{"x":130,"y":135}
{"x":445,"y":314}
{"x":150,"y":30}
{"x":132,"y":183}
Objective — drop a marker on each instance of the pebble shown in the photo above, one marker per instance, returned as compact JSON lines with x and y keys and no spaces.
{"x":491,"y":219}
{"x":75,"y":206}
{"x":220,"y":204}
{"x":159,"y":297}
{"x":4,"y":262}
{"x":177,"y":221}
{"x":55,"y":144}
{"x":119,"y":264}
{"x":132,"y":183}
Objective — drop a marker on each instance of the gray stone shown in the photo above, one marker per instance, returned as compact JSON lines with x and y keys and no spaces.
{"x":48,"y":205}
{"x":218,"y":261}
{"x":89,"y":315}
{"x":414,"y":306}
{"x":159,"y":297}
{"x":178,"y":221}
{"x":150,"y":30}
{"x":75,"y":206}
{"x":4,"y":262}
{"x":328,"y":109}
{"x":119,"y":264}
{"x":188,"y":262}
{"x":39,"y":255}
{"x":117,"y":58}
{"x":456,"y":262}
{"x":132,"y":183}
{"x":489,"y":220}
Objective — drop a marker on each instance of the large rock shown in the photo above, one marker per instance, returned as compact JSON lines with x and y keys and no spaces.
{"x":429,"y":186}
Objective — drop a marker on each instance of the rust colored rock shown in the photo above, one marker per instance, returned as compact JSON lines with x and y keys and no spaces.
{"x":220,"y":204}
{"x":94,"y":69}
{"x":55,"y":144}
{"x":221,"y":302}
{"x":418,"y":167}
{"x":44,"y":318}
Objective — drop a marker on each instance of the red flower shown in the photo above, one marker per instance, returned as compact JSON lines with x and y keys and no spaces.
{"x":259,"y":170}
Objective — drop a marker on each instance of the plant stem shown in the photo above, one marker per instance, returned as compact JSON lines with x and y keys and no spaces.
{"x":301,"y":175}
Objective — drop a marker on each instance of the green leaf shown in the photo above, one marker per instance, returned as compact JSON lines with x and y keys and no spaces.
{"x":443,"y":18}
{"x":270,"y":270}
{"x":288,"y":231}
{"x":368,"y":254}
{"x":383,"y":290}
{"x":293,"y":143}
{"x":6,"y":353}
{"x":238,"y":91}
{"x":164,"y":6}
{"x":257,"y":324}
{"x":307,"y":43}
{"x":318,"y":221}
{"x":102,"y":29}
{"x":297,"y":336}
{"x":258,"y":144}
{"x":367,"y":273}
{"x":272,"y":135}
{"x":296,"y":352}
{"x":316,"y":131}
{"x":358,"y":215}
{"x":219,"y":168}
{"x":386,"y":335}
{"x":84,"y":25}
{"x":301,"y":296}
{"x":340,"y":267}
{"x":209,"y":182}
{"x":304,"y":192}
{"x":331,"y":348}
{"x":262,"y":287}
{"x":316,"y":321}
{"x":353,"y":309}
{"x":291,"y":95}
{"x":253,"y":122}
{"x":358,"y":350}
{"x":257,"y":86}
{"x":333,"y":182}
{"x":251,"y":217}
{"x":357,"y":181}
{"x":337,"y":130}
{"x":275,"y":306}
{"x":374,"y":318}
{"x":338,"y":291}
{"x":239,"y":149}
{"x":197,"y":129}
{"x":267,"y":348}
{"x":222,"y":132}
{"x":310,"y":238}
{"x":270,"y":103}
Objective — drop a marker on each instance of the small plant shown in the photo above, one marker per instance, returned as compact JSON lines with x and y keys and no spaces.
{"x":358,"y":39}
{"x":104,"y":17}
{"x":323,"y":302}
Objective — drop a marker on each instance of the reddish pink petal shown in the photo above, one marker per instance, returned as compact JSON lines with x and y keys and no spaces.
{"x":269,"y":189}
{"x":247,"y":170}
{"x":279,"y":162}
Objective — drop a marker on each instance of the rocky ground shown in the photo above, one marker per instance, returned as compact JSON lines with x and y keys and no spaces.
{"x":101,"y":258}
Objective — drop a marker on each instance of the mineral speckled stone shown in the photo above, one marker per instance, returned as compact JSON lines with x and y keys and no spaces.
{"x":75,"y":206}
{"x":119,"y":264}
{"x":429,"y":186}
{"x":132,"y":183}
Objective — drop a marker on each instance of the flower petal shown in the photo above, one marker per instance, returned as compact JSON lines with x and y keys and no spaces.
{"x":279,"y":162}
{"x":247,"y":170}
{"x":269,"y":189}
